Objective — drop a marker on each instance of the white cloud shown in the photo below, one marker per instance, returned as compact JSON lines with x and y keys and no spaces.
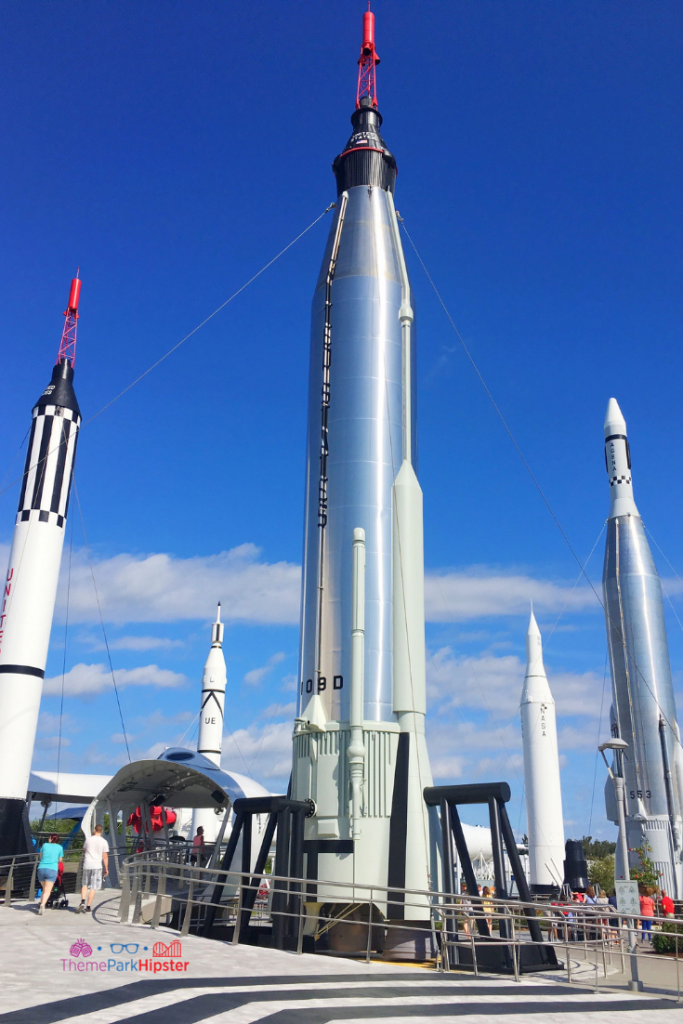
{"x":89,"y":679}
{"x":51,"y":742}
{"x":257,"y":675}
{"x":494,"y":684}
{"x":50,"y":723}
{"x":131,"y":643}
{"x":163,"y":588}
{"x":466,"y":749}
{"x":475,"y":593}
{"x":266,"y":748}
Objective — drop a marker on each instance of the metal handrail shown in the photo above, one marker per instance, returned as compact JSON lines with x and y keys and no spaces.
{"x":579,"y":931}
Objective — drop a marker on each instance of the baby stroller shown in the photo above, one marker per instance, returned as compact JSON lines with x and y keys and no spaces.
{"x":58,"y":900}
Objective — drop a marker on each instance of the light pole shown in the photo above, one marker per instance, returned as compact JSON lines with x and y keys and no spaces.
{"x":619,"y":747}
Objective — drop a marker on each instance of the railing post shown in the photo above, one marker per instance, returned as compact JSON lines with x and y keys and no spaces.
{"x":32,"y":887}
{"x":515,"y":962}
{"x":369,"y":945}
{"x":474,"y":954}
{"x":161,"y":892}
{"x":238,"y":913}
{"x":188,"y":906}
{"x":124,"y":904}
{"x":8,"y":885}
{"x":137,"y":911}
{"x":300,"y":935}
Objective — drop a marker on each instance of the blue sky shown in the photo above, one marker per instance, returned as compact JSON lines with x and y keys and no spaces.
{"x":171,"y":150}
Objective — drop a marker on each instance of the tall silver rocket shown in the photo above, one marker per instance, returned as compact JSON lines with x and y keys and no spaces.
{"x":644,"y":710}
{"x":362,"y":492}
{"x":30,"y":585}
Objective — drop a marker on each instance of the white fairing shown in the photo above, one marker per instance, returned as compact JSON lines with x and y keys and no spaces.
{"x":618,"y":463}
{"x":210,"y":741}
{"x":545,"y":826}
{"x":30,"y":589}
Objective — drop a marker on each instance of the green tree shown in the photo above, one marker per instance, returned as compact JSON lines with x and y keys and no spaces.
{"x":645,"y":873}
{"x":596,"y":849}
{"x":601,"y":871}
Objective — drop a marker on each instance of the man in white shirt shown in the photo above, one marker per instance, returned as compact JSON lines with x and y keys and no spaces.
{"x":95,"y":861}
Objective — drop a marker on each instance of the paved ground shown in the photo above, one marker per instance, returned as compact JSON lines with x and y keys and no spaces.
{"x":47,"y":974}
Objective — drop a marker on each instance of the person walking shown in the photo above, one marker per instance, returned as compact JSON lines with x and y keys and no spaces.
{"x":647,"y":912}
{"x":667,"y":905}
{"x":95,"y":862}
{"x":487,"y":905}
{"x":48,"y":867}
{"x":197,"y":855}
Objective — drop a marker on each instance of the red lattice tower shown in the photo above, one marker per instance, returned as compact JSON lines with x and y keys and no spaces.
{"x":367,"y":62}
{"x":67,"y":346}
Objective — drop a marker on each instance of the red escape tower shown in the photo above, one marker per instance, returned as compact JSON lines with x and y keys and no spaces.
{"x":367,"y":62}
{"x":67,"y":346}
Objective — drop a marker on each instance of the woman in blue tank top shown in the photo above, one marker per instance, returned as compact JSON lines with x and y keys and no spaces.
{"x":48,"y":868}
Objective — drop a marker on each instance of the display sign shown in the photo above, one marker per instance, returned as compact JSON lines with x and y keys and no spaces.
{"x":628,"y":900}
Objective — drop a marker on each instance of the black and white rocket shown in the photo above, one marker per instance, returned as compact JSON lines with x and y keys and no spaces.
{"x":30,"y":585}
{"x":644,"y":709}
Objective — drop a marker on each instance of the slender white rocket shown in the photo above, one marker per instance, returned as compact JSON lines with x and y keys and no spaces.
{"x":214,"y":681}
{"x":30,"y":585}
{"x":618,"y":463}
{"x":356,"y":748}
{"x":210,"y":740}
{"x":545,"y":827}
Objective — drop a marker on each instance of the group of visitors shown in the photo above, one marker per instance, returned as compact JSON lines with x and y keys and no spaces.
{"x":484,"y":907}
{"x":569,"y":923}
{"x":95,"y":868}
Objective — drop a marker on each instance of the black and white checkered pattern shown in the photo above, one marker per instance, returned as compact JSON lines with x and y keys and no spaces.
{"x":619,"y":480}
{"x":49,"y":465}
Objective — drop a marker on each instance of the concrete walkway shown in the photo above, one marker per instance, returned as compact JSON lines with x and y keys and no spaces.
{"x":72,"y":968}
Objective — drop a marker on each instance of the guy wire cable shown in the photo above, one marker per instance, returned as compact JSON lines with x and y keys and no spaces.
{"x":538,"y":487}
{"x":149,"y":369}
{"x":595,"y":771}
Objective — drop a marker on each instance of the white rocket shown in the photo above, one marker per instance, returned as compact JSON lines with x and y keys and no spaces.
{"x":545,"y":827}
{"x":210,"y":741}
{"x":30,"y":585}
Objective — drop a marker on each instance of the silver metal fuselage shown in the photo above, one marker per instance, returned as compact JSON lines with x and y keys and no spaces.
{"x":642,"y":684}
{"x":365,"y":455}
{"x":365,"y":773}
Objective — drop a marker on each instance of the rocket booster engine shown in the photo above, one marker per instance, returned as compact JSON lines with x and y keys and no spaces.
{"x":362,"y":490}
{"x":30,"y":586}
{"x":644,"y":710}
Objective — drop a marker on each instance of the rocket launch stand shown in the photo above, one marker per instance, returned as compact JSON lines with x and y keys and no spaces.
{"x":287,"y":816}
{"x":491,"y":954}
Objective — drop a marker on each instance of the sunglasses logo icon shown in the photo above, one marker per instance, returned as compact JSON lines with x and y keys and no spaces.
{"x":118,"y":947}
